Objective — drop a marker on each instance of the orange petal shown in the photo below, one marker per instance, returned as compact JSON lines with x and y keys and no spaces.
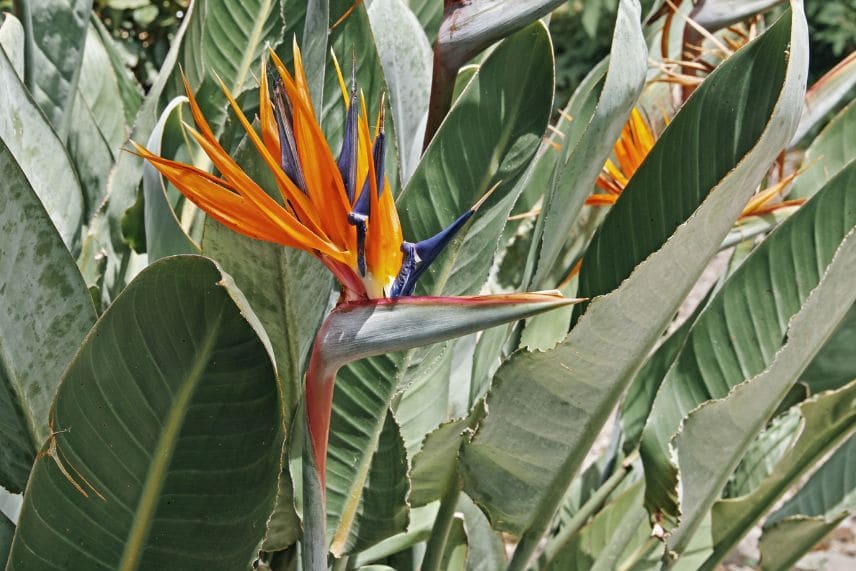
{"x":270,"y":131}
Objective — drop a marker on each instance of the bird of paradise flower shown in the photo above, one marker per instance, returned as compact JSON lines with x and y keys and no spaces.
{"x":339,"y":209}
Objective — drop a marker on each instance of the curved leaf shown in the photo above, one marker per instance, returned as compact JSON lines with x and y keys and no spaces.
{"x":790,"y":264}
{"x":835,"y":364}
{"x":56,"y":31}
{"x":500,"y":140}
{"x":570,"y":391}
{"x":40,"y":153}
{"x":833,"y":148}
{"x":406,"y":57}
{"x":826,"y":93}
{"x":584,"y":154}
{"x":179,"y":472}
{"x":45,"y":312}
{"x":12,"y":42}
{"x":164,"y":234}
{"x":820,"y":505}
{"x":825,"y":421}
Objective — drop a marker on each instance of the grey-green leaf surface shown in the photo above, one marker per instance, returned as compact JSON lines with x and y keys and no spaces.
{"x":40,"y":153}
{"x":787,"y":541}
{"x":609,"y":537}
{"x":357,"y":330}
{"x":753,"y":309}
{"x":499,"y":140}
{"x":835,"y":364}
{"x":429,"y":13}
{"x":7,"y":531}
{"x":383,"y":510}
{"x":288,"y":291}
{"x":486,"y":547}
{"x":164,"y":234}
{"x":469,"y":27}
{"x":818,"y":507}
{"x":828,"y":153}
{"x":436,"y":462}
{"x":565,"y":395}
{"x":406,"y":57}
{"x":826,"y":94}
{"x":12,"y":42}
{"x":498,"y":120}
{"x":167,"y":434}
{"x":830,"y":491}
{"x":581,"y":160}
{"x":56,"y":32}
{"x":456,"y":548}
{"x":716,"y":14}
{"x":826,"y":420}
{"x":45,"y":312}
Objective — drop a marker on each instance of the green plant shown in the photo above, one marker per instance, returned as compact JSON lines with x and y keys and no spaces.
{"x":185,"y":386}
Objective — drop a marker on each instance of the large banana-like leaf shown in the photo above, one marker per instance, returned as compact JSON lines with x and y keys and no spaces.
{"x":429,"y":13}
{"x":714,"y":359}
{"x":565,"y":395}
{"x":357,"y":330}
{"x":167,"y":434}
{"x":825,"y":95}
{"x":56,"y":32}
{"x":833,"y":148}
{"x":406,"y":57}
{"x":230,"y":38}
{"x":835,"y":364}
{"x":500,"y":139}
{"x":164,"y":234}
{"x":40,"y":153}
{"x":821,"y":504}
{"x":12,"y":42}
{"x":825,"y":421}
{"x":580,"y":164}
{"x":45,"y":312}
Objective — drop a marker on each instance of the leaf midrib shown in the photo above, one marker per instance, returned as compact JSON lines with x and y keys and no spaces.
{"x":163,"y":452}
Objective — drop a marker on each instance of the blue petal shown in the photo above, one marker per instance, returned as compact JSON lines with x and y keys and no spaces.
{"x":418,"y":256}
{"x":347,"y":161}
{"x":289,"y":159}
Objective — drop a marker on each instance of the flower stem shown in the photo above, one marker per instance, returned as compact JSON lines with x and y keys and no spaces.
{"x":595,"y":501}
{"x":436,"y":546}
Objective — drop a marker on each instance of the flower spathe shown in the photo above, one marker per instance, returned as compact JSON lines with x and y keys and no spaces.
{"x":338,"y":208}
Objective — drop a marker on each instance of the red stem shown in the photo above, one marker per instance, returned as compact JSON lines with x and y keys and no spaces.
{"x":320,"y":381}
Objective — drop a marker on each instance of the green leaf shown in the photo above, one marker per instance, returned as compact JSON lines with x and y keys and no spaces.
{"x":164,"y":234}
{"x":786,"y":542}
{"x":469,"y":27}
{"x":7,"y":531}
{"x":406,"y":57}
{"x":609,"y":537}
{"x":179,"y":472}
{"x":353,"y":37}
{"x":435,"y":464}
{"x":40,"y":154}
{"x":582,"y":158}
{"x":314,"y":43}
{"x":456,"y":548}
{"x":717,"y":14}
{"x":486,"y":547}
{"x":421,"y":521}
{"x":835,"y":364}
{"x":498,"y":121}
{"x":56,"y":32}
{"x":825,"y":421}
{"x":12,"y":42}
{"x":714,"y":359}
{"x":357,"y":330}
{"x":742,"y":92}
{"x":825,"y":95}
{"x":817,"y":508}
{"x":429,"y":13}
{"x":130,"y":91}
{"x":501,"y":140}
{"x":569,"y":392}
{"x":288,"y":291}
{"x":830,"y":151}
{"x":233,"y":35}
{"x":383,"y":510}
{"x":45,"y":312}
{"x":829,"y":492}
